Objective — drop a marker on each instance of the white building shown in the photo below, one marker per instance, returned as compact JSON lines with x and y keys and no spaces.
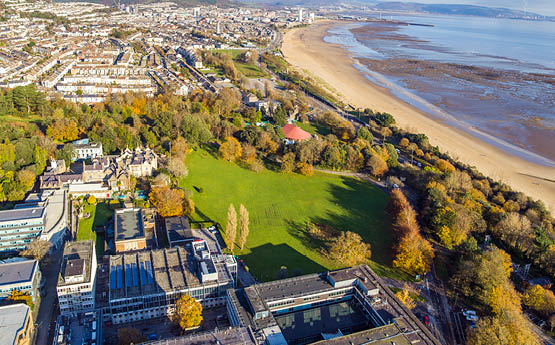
{"x":19,"y":274}
{"x":85,"y":150}
{"x":77,"y":282}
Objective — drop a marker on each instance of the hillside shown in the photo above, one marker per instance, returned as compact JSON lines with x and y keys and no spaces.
{"x":183,"y":3}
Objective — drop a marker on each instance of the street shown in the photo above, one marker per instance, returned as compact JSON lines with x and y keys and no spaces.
{"x":48,"y":309}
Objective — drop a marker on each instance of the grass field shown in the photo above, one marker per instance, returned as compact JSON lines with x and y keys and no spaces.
{"x":100,"y":214}
{"x":281,"y":204}
{"x":249,"y":71}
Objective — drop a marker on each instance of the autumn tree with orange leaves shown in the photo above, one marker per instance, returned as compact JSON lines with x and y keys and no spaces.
{"x":170,"y":202}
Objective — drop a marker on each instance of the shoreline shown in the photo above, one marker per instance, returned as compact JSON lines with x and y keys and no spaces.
{"x":305,"y":49}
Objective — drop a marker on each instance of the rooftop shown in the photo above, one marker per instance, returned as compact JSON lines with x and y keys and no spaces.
{"x":17,"y":272}
{"x":21,"y":214}
{"x":128,"y":224}
{"x":178,"y":229}
{"x":12,"y":319}
{"x":76,"y":262}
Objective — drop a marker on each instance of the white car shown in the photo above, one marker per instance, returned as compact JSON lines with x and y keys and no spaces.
{"x":473,"y":318}
{"x":467,"y":313}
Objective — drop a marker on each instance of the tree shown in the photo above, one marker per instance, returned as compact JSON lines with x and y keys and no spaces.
{"x":243,"y":226}
{"x":364,"y":133}
{"x":168,"y":202}
{"x":305,"y":169}
{"x":63,"y":130}
{"x":385,"y":119}
{"x":288,"y":162}
{"x":130,"y":335}
{"x":540,"y":299}
{"x":231,"y":149}
{"x":188,"y":206}
{"x":510,"y":329}
{"x":91,"y":199}
{"x":376,"y":165}
{"x":404,"y":295}
{"x":348,"y":249}
{"x":66,"y":153}
{"x":188,"y":312}
{"x":413,"y":254}
{"x":231,"y":227}
{"x":17,"y":295}
{"x":37,"y":249}
{"x":193,"y":129}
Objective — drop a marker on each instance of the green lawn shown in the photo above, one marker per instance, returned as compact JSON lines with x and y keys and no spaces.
{"x":314,"y":128}
{"x":100,"y":214}
{"x":249,"y":71}
{"x":281,"y":204}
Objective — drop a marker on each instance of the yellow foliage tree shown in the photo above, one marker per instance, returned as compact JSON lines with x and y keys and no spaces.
{"x":168,"y":202}
{"x":413,"y":254}
{"x":188,"y":312}
{"x":231,"y":149}
{"x":305,"y":169}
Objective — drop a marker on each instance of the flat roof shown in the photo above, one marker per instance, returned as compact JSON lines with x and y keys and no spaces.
{"x":17,"y":272}
{"x":73,"y":253}
{"x":21,"y":214}
{"x":385,"y":335}
{"x":128,"y":224}
{"x":178,"y":229}
{"x":12,"y":319}
{"x":227,"y":336}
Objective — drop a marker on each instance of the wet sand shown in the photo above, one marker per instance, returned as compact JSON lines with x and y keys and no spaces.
{"x":305,"y":49}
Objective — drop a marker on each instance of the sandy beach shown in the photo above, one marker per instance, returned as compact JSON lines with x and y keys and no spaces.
{"x":305,"y":49}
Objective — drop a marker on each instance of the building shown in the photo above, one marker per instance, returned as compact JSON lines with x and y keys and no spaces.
{"x":17,"y":325}
{"x":20,"y":226}
{"x":20,"y":274}
{"x":86,"y":150}
{"x":77,"y":281}
{"x":294,"y":133}
{"x":129,"y":231}
{"x":225,"y":336}
{"x":108,"y":173}
{"x":145,"y":284}
{"x":348,"y":306}
{"x":178,"y":231}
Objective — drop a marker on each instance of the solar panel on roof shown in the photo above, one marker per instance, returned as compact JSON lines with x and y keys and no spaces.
{"x":119,"y":277}
{"x":143,"y":273}
{"x":149,"y":272}
{"x":128,"y":281}
{"x":135,"y":274}
{"x":112,"y":278}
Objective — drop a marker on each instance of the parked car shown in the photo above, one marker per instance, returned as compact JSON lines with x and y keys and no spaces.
{"x":469,"y":312}
{"x":473,"y":318}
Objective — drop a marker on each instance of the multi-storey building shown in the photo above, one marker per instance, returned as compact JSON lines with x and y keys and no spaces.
{"x":86,"y":150}
{"x":22,"y":275}
{"x":77,"y":281}
{"x":19,"y":227}
{"x":17,"y":325}
{"x":129,"y":229}
{"x":111,"y":172}
{"x":347,"y":306}
{"x":146,"y":284}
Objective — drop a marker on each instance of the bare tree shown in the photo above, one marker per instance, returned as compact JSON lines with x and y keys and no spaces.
{"x":37,"y":250}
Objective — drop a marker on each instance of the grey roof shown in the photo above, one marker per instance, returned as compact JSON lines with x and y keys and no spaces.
{"x":128,"y":224}
{"x":12,"y":320}
{"x":75,"y":251}
{"x":21,"y":214}
{"x":17,"y":272}
{"x":227,"y":336}
{"x":178,"y":229}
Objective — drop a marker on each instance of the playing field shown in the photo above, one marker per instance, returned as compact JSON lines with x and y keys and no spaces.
{"x":280,"y":205}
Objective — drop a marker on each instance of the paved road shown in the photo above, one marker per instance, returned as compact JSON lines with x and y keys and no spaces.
{"x":48,"y":309}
